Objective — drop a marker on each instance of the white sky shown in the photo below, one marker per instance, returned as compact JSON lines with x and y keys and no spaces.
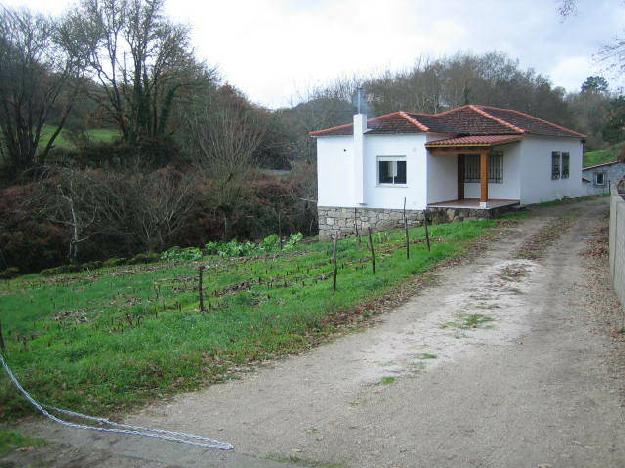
{"x":275,"y":50}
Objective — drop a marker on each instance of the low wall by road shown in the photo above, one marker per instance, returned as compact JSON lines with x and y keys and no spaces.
{"x":617,"y":244}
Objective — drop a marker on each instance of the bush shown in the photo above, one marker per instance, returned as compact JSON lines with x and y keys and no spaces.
{"x":176,"y":254}
{"x":29,"y":241}
{"x":212,"y":247}
{"x":9,"y":273}
{"x":294,"y":239}
{"x":91,"y":265}
{"x":271,"y":243}
{"x":142,"y":258}
{"x":113,"y":262}
{"x":56,"y":270}
{"x":234,"y":248}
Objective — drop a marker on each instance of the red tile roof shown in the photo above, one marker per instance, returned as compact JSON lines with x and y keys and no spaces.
{"x":529,"y":123}
{"x":462,"y":121}
{"x":397,"y":122}
{"x":474,"y":140}
{"x":609,"y":163}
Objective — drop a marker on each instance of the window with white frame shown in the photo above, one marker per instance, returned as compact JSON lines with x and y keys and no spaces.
{"x":392,"y":170}
{"x":599,"y":179}
{"x":495,"y":168}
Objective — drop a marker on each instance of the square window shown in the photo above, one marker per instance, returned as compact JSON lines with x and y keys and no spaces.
{"x":392,"y":170}
{"x":599,"y":178}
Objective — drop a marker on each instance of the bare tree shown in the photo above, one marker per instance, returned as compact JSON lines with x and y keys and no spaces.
{"x":613,"y":54}
{"x":223,"y":140}
{"x":160,"y":206}
{"x":567,"y":7}
{"x":71,"y":198}
{"x":141,"y":60}
{"x":36,"y":72}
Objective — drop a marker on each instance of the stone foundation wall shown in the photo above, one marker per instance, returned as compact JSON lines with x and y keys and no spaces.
{"x":449,"y":215}
{"x":343,"y":221}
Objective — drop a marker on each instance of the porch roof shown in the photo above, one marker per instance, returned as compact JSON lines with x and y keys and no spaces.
{"x":473,"y":141}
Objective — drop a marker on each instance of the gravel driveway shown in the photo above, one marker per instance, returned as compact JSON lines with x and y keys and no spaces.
{"x":502,"y":362}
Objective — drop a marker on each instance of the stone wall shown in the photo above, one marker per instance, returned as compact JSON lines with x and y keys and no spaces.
{"x":449,"y":215}
{"x":334,"y":220}
{"x":617,"y":244}
{"x":343,"y":221}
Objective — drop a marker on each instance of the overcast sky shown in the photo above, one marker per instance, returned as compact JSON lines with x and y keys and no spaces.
{"x":275,"y":50}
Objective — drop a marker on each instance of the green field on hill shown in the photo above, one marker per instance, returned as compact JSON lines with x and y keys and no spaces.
{"x":601,"y":156}
{"x":63,"y":141}
{"x":107,"y":339}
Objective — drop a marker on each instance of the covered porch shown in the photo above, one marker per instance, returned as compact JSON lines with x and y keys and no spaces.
{"x":480,"y":163}
{"x":474,"y":203}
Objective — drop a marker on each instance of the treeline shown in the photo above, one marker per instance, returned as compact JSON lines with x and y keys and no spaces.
{"x":493,"y":79}
{"x":194,"y":159}
{"x":191,"y":161}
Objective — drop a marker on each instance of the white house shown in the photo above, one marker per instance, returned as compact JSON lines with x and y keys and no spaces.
{"x":472,"y":161}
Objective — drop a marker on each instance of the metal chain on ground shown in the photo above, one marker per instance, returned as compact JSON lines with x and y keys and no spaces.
{"x":116,"y":428}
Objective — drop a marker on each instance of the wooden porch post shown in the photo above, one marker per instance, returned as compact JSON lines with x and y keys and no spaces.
{"x":483,"y":179}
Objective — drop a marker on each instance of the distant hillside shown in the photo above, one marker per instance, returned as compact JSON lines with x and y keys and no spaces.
{"x":601,"y":156}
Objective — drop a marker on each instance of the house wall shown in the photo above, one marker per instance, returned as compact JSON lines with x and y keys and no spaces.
{"x":392,"y":197}
{"x":383,"y":204}
{"x":335,"y":167}
{"x":442,"y":180}
{"x":510,"y":187}
{"x":336,"y":178}
{"x":613,"y":174}
{"x":535,"y":169}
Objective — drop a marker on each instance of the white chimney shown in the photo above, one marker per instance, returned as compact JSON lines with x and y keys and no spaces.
{"x":360,"y":127}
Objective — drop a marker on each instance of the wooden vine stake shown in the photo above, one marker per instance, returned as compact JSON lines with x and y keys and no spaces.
{"x":372,"y":250}
{"x":406,"y":230}
{"x":356,"y":224}
{"x":2,"y":345}
{"x":425,"y":224}
{"x":334,"y":261}
{"x":201,"y":288}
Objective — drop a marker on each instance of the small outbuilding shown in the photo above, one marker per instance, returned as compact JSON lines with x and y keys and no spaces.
{"x":599,"y":178}
{"x":469,"y":162}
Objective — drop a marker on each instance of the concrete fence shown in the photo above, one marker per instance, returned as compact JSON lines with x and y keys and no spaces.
{"x":617,"y":244}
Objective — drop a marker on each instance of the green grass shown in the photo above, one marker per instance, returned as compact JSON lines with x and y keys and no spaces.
{"x":10,"y":440}
{"x":388,"y":380}
{"x":96,"y":135}
{"x":109,"y":339}
{"x":601,"y":156}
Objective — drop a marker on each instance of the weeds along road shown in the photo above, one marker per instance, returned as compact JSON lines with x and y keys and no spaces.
{"x":505,"y":360}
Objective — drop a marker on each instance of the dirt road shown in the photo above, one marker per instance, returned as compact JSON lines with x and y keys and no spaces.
{"x":503,"y":362}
